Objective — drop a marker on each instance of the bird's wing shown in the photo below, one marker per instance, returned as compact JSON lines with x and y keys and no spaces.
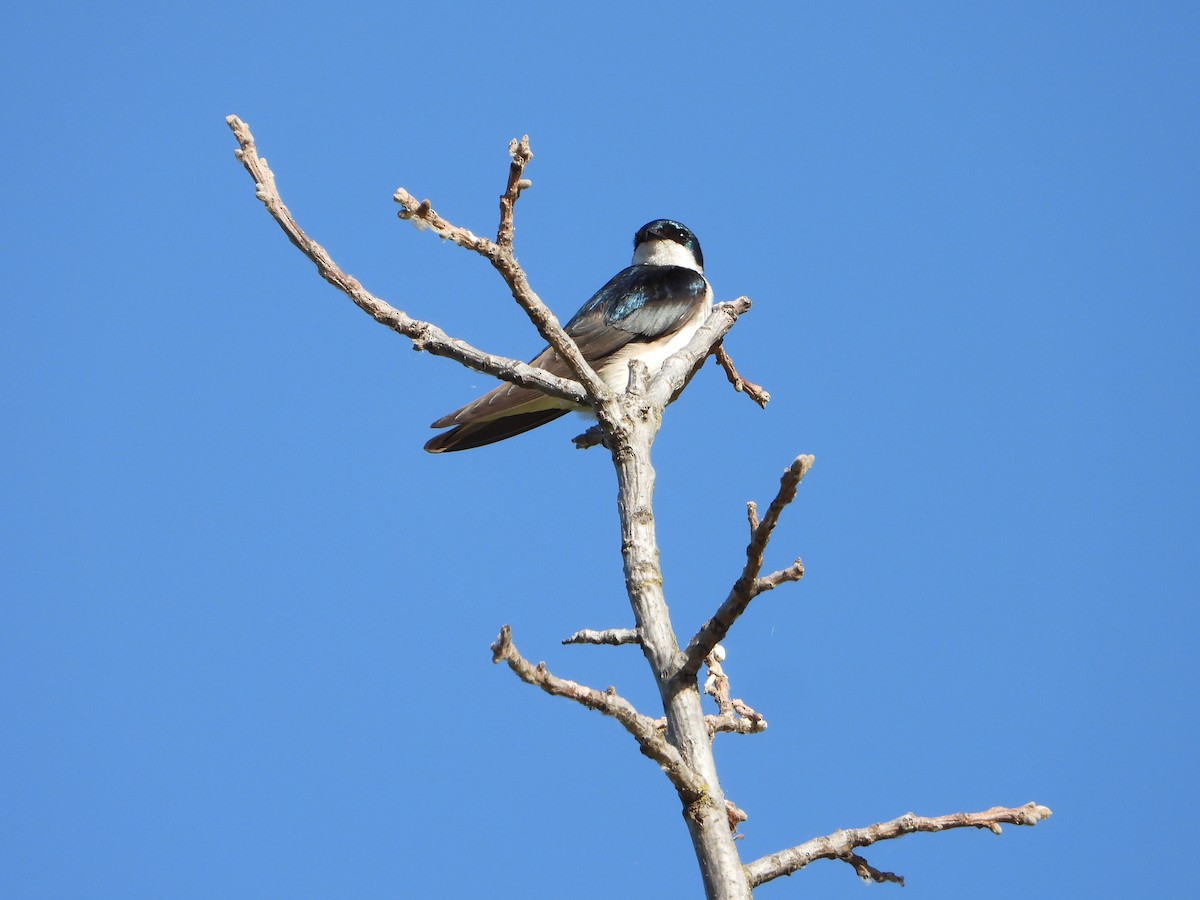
{"x":640,"y":303}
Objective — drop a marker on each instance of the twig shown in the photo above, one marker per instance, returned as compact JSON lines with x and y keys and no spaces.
{"x":593,"y":437}
{"x":755,"y":392}
{"x":611,"y":636}
{"x":749,"y":585}
{"x":794,"y":572}
{"x":841,"y":844}
{"x":679,"y":368}
{"x":868,"y":872}
{"x":735,"y":715}
{"x":521,"y":155}
{"x":688,"y":783}
{"x":425,"y":336}
{"x":736,"y":815}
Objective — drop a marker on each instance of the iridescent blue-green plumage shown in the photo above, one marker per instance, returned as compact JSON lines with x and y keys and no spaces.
{"x":640,"y":303}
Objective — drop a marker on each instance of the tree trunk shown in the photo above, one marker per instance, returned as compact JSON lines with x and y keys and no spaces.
{"x":707,"y":820}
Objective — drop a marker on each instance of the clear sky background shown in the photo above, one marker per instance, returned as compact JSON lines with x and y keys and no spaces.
{"x":245,"y":619}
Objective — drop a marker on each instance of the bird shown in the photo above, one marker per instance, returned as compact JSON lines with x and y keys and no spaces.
{"x":647,"y":311}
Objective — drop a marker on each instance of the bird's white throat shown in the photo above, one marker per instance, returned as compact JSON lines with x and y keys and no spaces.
{"x":665,"y":253}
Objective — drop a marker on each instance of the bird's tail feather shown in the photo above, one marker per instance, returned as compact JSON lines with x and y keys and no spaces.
{"x":478,"y":434}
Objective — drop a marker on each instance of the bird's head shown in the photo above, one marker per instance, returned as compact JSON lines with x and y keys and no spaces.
{"x":665,"y":242}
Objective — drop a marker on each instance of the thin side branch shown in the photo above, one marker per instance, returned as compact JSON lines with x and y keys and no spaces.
{"x":868,"y":872}
{"x":842,"y":844}
{"x":735,"y":715}
{"x":755,"y":392}
{"x":736,"y":816}
{"x":612,"y":636}
{"x":794,"y":572}
{"x":679,"y":368}
{"x":425,"y":336}
{"x":593,"y":437}
{"x":749,"y":585}
{"x":521,"y":155}
{"x":653,"y":744}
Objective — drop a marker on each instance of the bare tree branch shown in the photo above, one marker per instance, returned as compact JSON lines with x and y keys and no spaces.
{"x":755,"y":392}
{"x":737,"y":816}
{"x":687,"y":782}
{"x":841,"y":844}
{"x":679,"y":369}
{"x":749,"y":585}
{"x":868,"y":872}
{"x":752,"y":517}
{"x":593,"y":437}
{"x":425,"y":336}
{"x":735,"y":715}
{"x":521,"y":155}
{"x":794,"y":572}
{"x":611,"y":636}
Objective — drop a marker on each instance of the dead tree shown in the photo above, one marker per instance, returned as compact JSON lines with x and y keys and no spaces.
{"x":681,"y":741}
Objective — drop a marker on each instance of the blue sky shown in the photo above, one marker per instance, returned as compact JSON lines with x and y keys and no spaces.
{"x":245,"y":619}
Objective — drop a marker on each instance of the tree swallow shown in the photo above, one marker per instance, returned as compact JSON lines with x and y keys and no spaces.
{"x":647,"y":311}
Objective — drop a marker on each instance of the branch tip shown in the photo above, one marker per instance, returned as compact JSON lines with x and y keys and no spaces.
{"x":503,"y":645}
{"x":869,"y":873}
{"x":593,"y":437}
{"x":755,"y":392}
